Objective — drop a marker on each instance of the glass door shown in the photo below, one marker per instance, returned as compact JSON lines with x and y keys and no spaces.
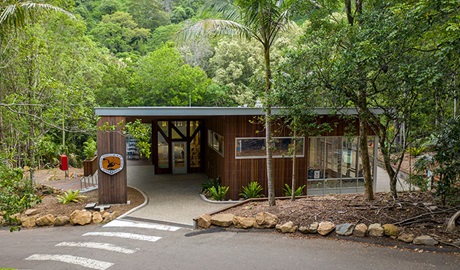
{"x":179,"y":158}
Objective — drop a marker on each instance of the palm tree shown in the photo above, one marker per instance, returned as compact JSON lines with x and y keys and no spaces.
{"x":261,"y":20}
{"x":13,"y":13}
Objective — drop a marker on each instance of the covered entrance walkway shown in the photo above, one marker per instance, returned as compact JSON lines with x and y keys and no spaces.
{"x":172,"y":198}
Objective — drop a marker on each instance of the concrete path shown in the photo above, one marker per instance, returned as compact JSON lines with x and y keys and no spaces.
{"x":172,"y":198}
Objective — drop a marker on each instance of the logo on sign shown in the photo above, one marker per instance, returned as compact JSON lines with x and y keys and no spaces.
{"x":111,"y":163}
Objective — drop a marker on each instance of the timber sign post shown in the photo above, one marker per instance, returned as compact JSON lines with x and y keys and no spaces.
{"x":111,"y":163}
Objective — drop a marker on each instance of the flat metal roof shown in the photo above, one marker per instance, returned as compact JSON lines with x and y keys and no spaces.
{"x":205,"y":111}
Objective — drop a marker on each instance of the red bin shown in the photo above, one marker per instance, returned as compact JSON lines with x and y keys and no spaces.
{"x":64,"y":163}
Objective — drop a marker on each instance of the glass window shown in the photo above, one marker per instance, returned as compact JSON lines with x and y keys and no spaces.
{"x":164,"y":125}
{"x":255,"y":147}
{"x":195,"y":151}
{"x":333,"y":157}
{"x":216,"y":142}
{"x":163,"y":152}
{"x":350,"y":157}
{"x":182,"y":127}
{"x":193,"y":126}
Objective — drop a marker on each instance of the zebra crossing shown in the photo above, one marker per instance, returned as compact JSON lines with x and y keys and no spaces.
{"x":112,"y":233}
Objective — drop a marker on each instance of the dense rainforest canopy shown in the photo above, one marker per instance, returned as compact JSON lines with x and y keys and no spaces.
{"x":60,"y":59}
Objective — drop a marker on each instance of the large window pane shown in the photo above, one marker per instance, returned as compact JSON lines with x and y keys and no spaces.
{"x":350,"y":157}
{"x":164,"y":125}
{"x":316,"y":158}
{"x":195,"y":151}
{"x":163,"y":152}
{"x":333,"y":157}
{"x":250,"y":147}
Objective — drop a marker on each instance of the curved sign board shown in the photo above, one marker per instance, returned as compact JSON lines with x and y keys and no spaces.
{"x":111,"y":163}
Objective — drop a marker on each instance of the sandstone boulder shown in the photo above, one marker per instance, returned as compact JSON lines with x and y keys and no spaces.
{"x":287,"y":227}
{"x":406,"y":237}
{"x":111,"y":216}
{"x":31,"y":212}
{"x":243,"y":222}
{"x":360,"y":230}
{"x":265,"y":220}
{"x":80,"y":217}
{"x":204,"y":221}
{"x":325,"y":227}
{"x":222,"y":220}
{"x":47,"y":220}
{"x":61,"y":220}
{"x":97,"y":218}
{"x":375,"y":230}
{"x":28,"y":222}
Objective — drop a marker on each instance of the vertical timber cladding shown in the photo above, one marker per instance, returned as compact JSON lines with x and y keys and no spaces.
{"x":112,"y":189}
{"x":237,"y":173}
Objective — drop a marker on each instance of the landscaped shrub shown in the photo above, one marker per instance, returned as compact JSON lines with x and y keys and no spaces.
{"x":288,"y":190}
{"x":16,"y":194}
{"x":209,"y":183}
{"x":218,"y":194}
{"x":89,"y":148}
{"x":70,"y":196}
{"x":252,"y":190}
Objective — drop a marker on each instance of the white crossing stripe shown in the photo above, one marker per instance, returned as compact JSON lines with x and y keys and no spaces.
{"x":81,"y":261}
{"x":103,"y":246}
{"x":143,"y":225}
{"x":125,"y":235}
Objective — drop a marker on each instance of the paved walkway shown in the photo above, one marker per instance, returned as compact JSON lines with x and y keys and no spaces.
{"x":172,"y":198}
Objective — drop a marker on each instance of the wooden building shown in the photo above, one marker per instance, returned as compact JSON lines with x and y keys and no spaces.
{"x":230,"y":143}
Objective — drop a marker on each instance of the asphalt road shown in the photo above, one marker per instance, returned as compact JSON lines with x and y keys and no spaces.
{"x":151,"y":246}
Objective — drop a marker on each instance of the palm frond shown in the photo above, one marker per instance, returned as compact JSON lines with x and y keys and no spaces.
{"x":15,"y":14}
{"x":216,"y":27}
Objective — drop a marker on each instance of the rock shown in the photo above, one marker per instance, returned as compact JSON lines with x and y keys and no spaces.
{"x":345,"y":229}
{"x":97,"y":218}
{"x":425,"y":240}
{"x":222,"y":220}
{"x":47,"y":220}
{"x":287,"y":227}
{"x":313,"y":227}
{"x":303,"y":229}
{"x":406,"y":237}
{"x":31,"y":212}
{"x":360,"y":230}
{"x":80,"y":217}
{"x":105,"y":214}
{"x":325,"y":227}
{"x":111,"y":216}
{"x":61,"y":220}
{"x":391,"y":230}
{"x":265,"y":220}
{"x":204,"y":221}
{"x":28,"y":222}
{"x":243,"y":222}
{"x":375,"y":230}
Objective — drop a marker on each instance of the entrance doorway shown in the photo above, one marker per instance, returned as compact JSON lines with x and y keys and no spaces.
{"x":177,"y":146}
{"x":180,"y":157}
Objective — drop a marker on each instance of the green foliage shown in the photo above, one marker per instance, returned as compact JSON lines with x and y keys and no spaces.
{"x":209,"y":183}
{"x":70,"y":196}
{"x":416,"y":151}
{"x":447,"y":159}
{"x":141,"y":133}
{"x":16,"y":194}
{"x":218,"y":194}
{"x":89,"y":148}
{"x":252,"y":190}
{"x":288,"y":190}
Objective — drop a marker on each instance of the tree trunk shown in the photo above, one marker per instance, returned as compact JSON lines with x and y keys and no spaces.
{"x":268,"y":131}
{"x":368,"y":185}
{"x":293,"y":167}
